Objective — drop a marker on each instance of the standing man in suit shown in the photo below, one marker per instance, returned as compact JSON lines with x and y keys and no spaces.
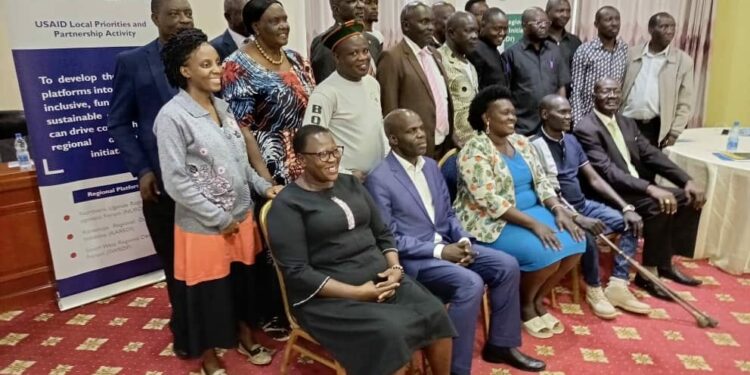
{"x":411,"y":76}
{"x":236,"y":33}
{"x":441,"y":11}
{"x":659,"y":84}
{"x":630,"y":163}
{"x":140,"y":89}
{"x":485,"y":57}
{"x":413,"y":199}
{"x":535,"y":68}
{"x":321,"y":57}
{"x":463,"y":81}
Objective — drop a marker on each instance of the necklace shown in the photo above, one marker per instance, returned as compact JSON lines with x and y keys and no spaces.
{"x":265,"y":55}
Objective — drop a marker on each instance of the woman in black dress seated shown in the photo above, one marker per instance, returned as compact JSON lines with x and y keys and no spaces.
{"x":342,"y":271}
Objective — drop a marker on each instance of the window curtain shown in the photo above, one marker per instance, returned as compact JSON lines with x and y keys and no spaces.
{"x":694,"y":20}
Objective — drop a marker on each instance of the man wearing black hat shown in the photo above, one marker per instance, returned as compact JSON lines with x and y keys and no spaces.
{"x":348,"y":101}
{"x":321,"y":57}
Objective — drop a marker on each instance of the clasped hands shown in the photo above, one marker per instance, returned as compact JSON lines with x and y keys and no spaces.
{"x":383,"y":290}
{"x":459,"y":253}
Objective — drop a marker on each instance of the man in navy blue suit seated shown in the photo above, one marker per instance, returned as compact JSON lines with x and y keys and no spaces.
{"x":413,"y":199}
{"x":140,"y":89}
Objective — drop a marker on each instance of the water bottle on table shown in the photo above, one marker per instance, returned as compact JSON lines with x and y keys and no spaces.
{"x":734,"y":137}
{"x":22,"y":153}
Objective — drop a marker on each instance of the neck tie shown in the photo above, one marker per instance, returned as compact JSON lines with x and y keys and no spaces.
{"x":621,"y":145}
{"x":442,"y":125}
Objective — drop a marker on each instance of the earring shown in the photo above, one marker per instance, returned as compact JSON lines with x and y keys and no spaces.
{"x":487,"y":128}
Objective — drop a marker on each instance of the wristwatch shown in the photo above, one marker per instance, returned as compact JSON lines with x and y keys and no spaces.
{"x":628,"y":208}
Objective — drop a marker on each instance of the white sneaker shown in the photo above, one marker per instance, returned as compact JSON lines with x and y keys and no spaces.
{"x":599,"y":303}
{"x":619,"y":295}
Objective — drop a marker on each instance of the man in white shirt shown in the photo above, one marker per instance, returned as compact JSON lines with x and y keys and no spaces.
{"x":411,"y":76}
{"x":413,"y":200}
{"x":236,"y":33}
{"x":348,"y":101}
{"x":659,"y":84}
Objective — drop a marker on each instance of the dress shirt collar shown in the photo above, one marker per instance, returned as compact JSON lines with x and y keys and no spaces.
{"x":238,"y":38}
{"x":414,"y":47}
{"x":619,"y":43}
{"x":561,"y":141}
{"x":409,"y":167}
{"x":527,"y":44}
{"x":663,"y":52}
{"x":606,"y":120}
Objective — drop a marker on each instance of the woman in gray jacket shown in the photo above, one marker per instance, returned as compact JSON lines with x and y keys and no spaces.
{"x":205,"y":170}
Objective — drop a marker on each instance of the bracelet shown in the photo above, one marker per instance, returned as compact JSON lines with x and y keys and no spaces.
{"x":628,"y":208}
{"x":556,"y":205}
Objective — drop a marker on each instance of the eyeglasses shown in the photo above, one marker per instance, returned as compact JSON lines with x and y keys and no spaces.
{"x":327,"y":155}
{"x":539,"y":23}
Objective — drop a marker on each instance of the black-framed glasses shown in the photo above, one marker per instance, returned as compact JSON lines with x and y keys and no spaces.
{"x":327,"y":155}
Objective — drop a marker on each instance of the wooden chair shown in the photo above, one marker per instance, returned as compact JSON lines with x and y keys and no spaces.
{"x":448,"y":157}
{"x":297,"y":332}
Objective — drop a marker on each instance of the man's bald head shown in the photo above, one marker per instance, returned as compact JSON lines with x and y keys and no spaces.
{"x":397,"y":118}
{"x":406,"y":135}
{"x":551,"y":101}
{"x":556,"y":114}
{"x":529,"y":14}
{"x":607,"y":96}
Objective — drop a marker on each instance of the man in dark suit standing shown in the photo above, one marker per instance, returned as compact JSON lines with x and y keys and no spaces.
{"x":411,"y":76}
{"x":236,"y":32}
{"x":413,"y":200}
{"x":321,"y":58}
{"x":485,"y":57}
{"x":140,"y":89}
{"x":629,"y":163}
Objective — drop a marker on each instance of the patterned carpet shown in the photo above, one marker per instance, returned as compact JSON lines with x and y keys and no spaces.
{"x":128,"y":334}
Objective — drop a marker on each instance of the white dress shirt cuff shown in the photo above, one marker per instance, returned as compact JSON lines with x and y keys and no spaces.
{"x":465,"y":239}
{"x":438,"y":251}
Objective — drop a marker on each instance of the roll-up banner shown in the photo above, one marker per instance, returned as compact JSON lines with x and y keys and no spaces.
{"x":64,"y":53}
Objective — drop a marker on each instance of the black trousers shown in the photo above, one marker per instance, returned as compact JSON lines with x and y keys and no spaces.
{"x":650,"y":129}
{"x":160,"y":223}
{"x":666,"y":235}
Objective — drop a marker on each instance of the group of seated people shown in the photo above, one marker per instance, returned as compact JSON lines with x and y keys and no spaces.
{"x":379,"y":256}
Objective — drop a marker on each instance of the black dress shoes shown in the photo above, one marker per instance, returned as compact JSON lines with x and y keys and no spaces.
{"x":652,"y":289}
{"x":512,"y":357}
{"x":675,"y":275}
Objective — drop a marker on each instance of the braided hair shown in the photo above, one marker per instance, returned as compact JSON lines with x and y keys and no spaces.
{"x":176,"y":53}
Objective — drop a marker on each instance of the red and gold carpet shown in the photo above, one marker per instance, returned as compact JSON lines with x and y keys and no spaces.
{"x":128,"y":334}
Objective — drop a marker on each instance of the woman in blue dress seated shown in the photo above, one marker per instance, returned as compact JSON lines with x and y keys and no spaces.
{"x":342,"y":272}
{"x":505,"y":200}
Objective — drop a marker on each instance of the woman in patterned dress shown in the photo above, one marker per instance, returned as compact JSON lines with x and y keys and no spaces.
{"x":267,"y":87}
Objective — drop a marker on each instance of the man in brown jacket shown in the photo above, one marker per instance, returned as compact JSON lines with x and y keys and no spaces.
{"x":411,"y":76}
{"x":659,"y":84}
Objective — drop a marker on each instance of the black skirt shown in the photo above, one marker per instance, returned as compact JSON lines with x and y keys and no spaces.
{"x":207,"y":315}
{"x":370,"y":338}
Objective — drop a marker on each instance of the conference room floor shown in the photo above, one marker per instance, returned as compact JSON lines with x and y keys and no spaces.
{"x":128,"y":334}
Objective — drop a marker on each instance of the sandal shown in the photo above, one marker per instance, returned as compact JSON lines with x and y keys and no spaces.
{"x":220,"y":371}
{"x":537,"y":328}
{"x":555,"y":325}
{"x":257,"y":354}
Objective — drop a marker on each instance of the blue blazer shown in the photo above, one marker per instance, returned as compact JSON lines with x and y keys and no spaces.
{"x":224,"y":45}
{"x":403,"y":211}
{"x":140,"y":89}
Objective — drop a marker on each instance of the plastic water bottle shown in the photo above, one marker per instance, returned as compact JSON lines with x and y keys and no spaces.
{"x":734,"y":137}
{"x":22,"y":153}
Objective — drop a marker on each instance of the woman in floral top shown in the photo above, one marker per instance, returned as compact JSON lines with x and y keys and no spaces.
{"x":505,"y":201}
{"x":267,"y":87}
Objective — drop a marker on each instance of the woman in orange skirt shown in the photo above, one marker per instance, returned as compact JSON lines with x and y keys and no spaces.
{"x":205,"y":170}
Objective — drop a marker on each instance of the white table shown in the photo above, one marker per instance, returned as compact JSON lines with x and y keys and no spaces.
{"x":724,"y":230}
